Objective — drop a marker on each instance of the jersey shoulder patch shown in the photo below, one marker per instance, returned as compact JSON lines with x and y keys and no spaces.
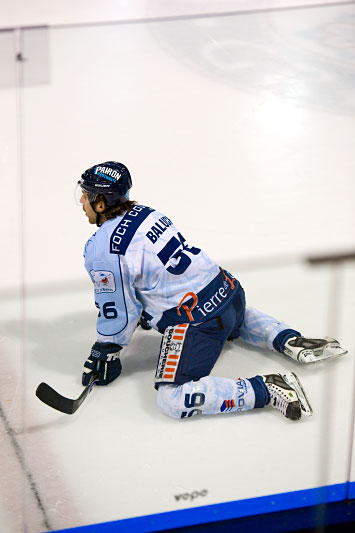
{"x":103,"y":280}
{"x":123,"y":233}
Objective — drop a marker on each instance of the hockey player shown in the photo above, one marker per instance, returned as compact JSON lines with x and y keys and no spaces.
{"x":144,"y":271}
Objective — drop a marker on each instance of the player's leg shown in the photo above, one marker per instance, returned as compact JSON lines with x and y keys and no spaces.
{"x":188,"y":354}
{"x":213,"y":395}
{"x":264,"y":331}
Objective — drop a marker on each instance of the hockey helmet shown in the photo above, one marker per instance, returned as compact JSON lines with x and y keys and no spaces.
{"x":111,"y":179}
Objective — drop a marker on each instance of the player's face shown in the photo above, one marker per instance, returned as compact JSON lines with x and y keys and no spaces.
{"x":90,"y":213}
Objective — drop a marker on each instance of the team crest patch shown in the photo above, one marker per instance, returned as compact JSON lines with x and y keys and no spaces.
{"x":103,"y":281}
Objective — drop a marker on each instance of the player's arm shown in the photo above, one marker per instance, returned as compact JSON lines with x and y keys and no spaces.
{"x":117,"y":318}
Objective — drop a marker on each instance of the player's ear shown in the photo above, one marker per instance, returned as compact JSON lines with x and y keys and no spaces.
{"x":100,"y":206}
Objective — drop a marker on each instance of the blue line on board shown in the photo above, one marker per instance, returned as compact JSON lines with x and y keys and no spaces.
{"x":223,"y":511}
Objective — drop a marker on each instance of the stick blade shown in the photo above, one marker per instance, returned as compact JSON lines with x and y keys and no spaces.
{"x":55,"y":400}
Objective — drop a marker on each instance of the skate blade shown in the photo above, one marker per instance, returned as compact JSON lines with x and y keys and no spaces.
{"x":331,"y":352}
{"x":292,"y":380}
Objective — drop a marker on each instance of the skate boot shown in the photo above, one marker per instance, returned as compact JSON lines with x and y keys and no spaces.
{"x":287,"y":395}
{"x":307,"y":350}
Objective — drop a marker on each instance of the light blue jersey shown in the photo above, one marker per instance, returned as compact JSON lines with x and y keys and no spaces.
{"x":139,"y":262}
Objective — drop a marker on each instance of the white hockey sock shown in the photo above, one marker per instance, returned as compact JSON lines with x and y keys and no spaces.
{"x":260,"y":329}
{"x":208,"y":396}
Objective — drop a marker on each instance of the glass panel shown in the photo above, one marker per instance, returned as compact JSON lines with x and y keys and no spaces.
{"x":242,"y":128}
{"x":11,"y":303}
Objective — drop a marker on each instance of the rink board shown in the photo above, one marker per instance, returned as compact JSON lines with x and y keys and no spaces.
{"x":224,"y":511}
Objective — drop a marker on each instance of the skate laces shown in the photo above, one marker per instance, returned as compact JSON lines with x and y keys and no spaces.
{"x":279,"y":399}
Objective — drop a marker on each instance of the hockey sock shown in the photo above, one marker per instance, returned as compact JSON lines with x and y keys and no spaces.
{"x":262,"y":394}
{"x":281,"y":339}
{"x":259,"y":329}
{"x":212,"y":395}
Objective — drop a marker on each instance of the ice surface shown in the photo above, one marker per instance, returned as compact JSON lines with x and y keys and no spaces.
{"x":120,"y":457}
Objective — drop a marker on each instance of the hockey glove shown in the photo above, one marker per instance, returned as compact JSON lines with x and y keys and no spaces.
{"x":103,"y":361}
{"x":143,"y":323}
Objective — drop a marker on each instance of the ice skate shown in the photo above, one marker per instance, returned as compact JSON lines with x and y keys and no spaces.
{"x":307,"y":350}
{"x":287,"y":395}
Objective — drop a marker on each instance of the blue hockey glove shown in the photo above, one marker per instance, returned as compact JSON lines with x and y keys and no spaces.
{"x":103,"y":361}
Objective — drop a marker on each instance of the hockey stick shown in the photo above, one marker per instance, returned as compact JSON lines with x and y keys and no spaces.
{"x":52,"y":398}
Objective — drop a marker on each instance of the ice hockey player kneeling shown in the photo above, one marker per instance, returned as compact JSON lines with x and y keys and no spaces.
{"x":145,"y":272}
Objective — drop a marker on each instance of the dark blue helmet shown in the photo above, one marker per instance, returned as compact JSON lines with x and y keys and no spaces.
{"x":111,"y":179}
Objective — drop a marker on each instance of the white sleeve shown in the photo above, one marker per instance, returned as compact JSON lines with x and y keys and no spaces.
{"x":119,"y":309}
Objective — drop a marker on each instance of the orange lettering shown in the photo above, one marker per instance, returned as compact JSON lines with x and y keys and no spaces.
{"x":188,"y":309}
{"x":231,"y":281}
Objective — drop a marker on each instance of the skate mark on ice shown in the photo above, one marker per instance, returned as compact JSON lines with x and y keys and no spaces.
{"x":20,"y":457}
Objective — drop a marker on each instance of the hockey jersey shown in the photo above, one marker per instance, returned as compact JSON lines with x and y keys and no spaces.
{"x":140,"y":264}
